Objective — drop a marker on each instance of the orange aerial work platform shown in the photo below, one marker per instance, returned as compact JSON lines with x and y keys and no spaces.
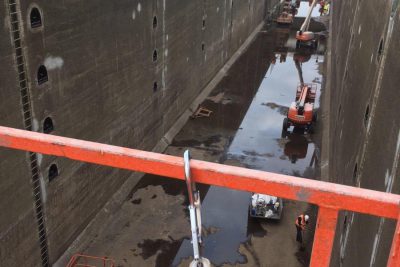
{"x":330,"y":198}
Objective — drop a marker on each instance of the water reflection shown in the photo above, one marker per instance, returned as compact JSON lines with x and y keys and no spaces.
{"x":303,"y":10}
{"x":296,"y":147}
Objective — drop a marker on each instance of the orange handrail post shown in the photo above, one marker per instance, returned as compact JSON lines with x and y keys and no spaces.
{"x":394,"y":256}
{"x":324,"y":236}
{"x":329,"y":197}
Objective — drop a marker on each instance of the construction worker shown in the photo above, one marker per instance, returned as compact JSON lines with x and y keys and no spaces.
{"x":301,"y":222}
{"x":321,"y":10}
{"x":326,"y":8}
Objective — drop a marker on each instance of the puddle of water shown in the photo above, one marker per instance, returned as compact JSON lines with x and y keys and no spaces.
{"x":219,"y":203}
{"x":262,"y":126}
{"x":303,"y":10}
{"x":163,"y":249}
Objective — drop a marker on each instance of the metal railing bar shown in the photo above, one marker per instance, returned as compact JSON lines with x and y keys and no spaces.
{"x":320,"y":193}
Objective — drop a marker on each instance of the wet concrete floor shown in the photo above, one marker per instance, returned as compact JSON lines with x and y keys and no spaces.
{"x":244,"y":129}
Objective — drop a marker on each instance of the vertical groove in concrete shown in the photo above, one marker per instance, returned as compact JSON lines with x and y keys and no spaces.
{"x":16,"y":37}
{"x":377,"y":89}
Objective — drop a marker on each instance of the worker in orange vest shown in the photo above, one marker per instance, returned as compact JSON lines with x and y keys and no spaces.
{"x":301,"y":222}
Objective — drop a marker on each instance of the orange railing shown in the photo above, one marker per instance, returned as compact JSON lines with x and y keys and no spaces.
{"x":80,"y":260}
{"x":331,"y":198}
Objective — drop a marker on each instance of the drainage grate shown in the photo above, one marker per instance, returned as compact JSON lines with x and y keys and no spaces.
{"x":27,"y":116}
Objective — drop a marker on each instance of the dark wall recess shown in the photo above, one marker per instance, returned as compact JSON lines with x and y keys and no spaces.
{"x":42,"y":75}
{"x":53,"y":172}
{"x":155,"y":56}
{"x":154,"y":22}
{"x":36,"y":18}
{"x":366,"y":116}
{"x":355,"y":174}
{"x":48,"y":125}
{"x":380,"y":50}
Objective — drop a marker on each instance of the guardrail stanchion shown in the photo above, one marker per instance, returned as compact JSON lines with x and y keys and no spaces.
{"x":394,"y":256}
{"x":324,"y":236}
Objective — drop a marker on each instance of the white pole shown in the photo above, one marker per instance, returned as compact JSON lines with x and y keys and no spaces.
{"x":195,"y":241}
{"x":307,"y":20}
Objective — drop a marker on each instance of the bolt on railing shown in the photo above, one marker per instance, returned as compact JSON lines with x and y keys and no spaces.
{"x":331,"y":198}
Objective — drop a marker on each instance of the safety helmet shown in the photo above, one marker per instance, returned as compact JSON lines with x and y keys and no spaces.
{"x":306,"y":217}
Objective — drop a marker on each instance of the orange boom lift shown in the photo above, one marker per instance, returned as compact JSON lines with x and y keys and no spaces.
{"x":304,"y":36}
{"x":301,"y":112}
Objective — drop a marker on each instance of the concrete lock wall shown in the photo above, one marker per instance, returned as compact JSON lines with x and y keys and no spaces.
{"x":118,"y":72}
{"x":364,"y":124}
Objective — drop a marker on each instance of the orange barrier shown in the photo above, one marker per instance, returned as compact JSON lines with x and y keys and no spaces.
{"x":80,"y":260}
{"x":331,"y":198}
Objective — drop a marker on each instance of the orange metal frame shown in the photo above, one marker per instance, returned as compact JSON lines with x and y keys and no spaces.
{"x":90,"y":261}
{"x":331,"y":198}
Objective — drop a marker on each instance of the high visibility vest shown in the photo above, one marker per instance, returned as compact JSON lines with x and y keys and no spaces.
{"x":302,"y":220}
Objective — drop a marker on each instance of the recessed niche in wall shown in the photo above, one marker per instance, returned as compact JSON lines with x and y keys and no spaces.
{"x":53,"y":172}
{"x":380,"y":50}
{"x":42,"y":75}
{"x":355,"y":173}
{"x":155,"y":86}
{"x":36,"y":18}
{"x":154,"y":22}
{"x":366,"y":116}
{"x":48,"y":125}
{"x":155,"y":55}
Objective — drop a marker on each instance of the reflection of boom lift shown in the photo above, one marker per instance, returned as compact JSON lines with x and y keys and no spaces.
{"x":286,"y":17}
{"x":303,"y":36}
{"x":296,"y":148}
{"x":300,"y":71}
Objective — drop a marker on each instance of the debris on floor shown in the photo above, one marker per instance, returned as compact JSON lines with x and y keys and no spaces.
{"x":201,"y":112}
